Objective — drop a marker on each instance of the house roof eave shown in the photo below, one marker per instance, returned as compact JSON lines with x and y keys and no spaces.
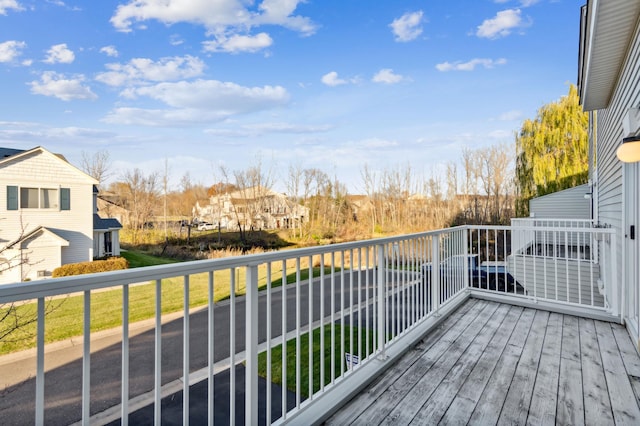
{"x":606,"y":31}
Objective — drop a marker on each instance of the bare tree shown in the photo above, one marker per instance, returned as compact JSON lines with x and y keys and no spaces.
{"x":97,"y":165}
{"x":141,"y":196}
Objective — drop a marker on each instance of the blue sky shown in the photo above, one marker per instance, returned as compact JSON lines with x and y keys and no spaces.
{"x":328,"y":84}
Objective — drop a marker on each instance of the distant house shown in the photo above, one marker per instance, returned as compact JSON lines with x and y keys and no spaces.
{"x":111,"y":206}
{"x":255,"y":207}
{"x":106,"y":232}
{"x":48,"y":216}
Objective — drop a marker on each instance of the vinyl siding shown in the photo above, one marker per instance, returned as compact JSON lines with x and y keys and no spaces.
{"x":567,"y":204}
{"x":44,"y":170}
{"x":609,"y":134}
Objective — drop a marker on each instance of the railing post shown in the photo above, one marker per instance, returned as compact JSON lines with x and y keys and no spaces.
{"x":251,"y":346}
{"x":620,"y":295}
{"x":465,"y":262}
{"x":381,"y":317}
{"x":435,"y":273}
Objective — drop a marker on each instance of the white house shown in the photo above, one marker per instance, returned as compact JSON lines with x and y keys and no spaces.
{"x":256,"y":207}
{"x":609,"y":86}
{"x":47,"y":215}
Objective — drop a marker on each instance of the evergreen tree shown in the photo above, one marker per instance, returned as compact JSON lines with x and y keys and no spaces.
{"x":552,"y":150}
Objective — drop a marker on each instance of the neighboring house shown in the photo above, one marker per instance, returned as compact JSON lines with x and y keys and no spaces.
{"x":106,"y":232}
{"x":110,"y":206}
{"x":571,"y":203}
{"x":46,"y":215}
{"x":255,"y":207}
{"x":608,"y":82}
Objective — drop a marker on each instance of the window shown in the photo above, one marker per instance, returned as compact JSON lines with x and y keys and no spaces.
{"x":38,"y":198}
{"x":48,"y":198}
{"x":29,"y":198}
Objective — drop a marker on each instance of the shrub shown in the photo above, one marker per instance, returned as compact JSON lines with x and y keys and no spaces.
{"x":111,"y":264}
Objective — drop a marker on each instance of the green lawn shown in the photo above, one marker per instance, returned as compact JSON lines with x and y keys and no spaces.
{"x":138,"y":259}
{"x":291,"y":356}
{"x":66,"y":319}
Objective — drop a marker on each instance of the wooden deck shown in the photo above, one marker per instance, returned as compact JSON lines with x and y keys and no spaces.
{"x":492,"y":363}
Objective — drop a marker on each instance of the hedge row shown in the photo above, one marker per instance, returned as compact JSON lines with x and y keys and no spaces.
{"x":111,"y":264}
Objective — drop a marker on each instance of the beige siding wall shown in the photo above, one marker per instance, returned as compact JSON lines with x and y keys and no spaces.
{"x":74,"y":225}
{"x":44,"y":258}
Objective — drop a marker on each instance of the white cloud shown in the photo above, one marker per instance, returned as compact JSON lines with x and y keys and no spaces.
{"x":510,"y":115}
{"x":140,"y":70}
{"x":501,"y":25}
{"x":527,"y":3}
{"x":10,"y":50}
{"x":59,"y":53}
{"x":408,"y":26}
{"x":387,"y":76}
{"x":176,"y":40}
{"x":213,"y":94}
{"x":239,"y":43}
{"x":280,"y":12}
{"x":500,"y":134}
{"x":268,"y":128}
{"x":9,"y":4}
{"x":110,"y":51}
{"x":470,"y":65}
{"x":376,"y":143}
{"x":197,"y":102}
{"x":56,"y":85}
{"x":218,"y":17}
{"x":332,"y":79}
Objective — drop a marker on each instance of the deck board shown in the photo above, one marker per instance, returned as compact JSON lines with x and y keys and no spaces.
{"x":460,"y":410}
{"x":434,"y":408}
{"x":489,"y":407}
{"x":571,"y":411}
{"x":516,"y":406}
{"x":490,"y":363}
{"x":597,"y":407}
{"x":620,"y":389}
{"x":542,"y":410}
{"x":437,"y":366}
{"x":399,"y":385}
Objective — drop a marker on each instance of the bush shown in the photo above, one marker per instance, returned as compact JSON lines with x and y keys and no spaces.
{"x":111,"y":264}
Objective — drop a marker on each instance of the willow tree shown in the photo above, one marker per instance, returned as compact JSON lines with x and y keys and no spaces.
{"x":552,"y":150}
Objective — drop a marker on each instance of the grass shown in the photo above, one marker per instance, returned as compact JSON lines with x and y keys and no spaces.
{"x":65,"y":317}
{"x":138,"y":259}
{"x":292,"y":358}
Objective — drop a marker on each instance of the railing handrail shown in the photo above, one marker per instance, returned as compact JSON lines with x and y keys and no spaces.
{"x":65,"y":285}
{"x":551,"y":219}
{"x":545,"y":229}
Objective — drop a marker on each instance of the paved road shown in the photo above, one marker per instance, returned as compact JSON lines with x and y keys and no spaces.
{"x":63,"y":379}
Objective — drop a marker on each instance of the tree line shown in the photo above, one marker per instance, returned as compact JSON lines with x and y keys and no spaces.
{"x":488,"y":185}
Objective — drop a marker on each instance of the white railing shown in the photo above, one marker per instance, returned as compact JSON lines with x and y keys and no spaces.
{"x":568,"y":264}
{"x":356,"y":300}
{"x":356,"y":303}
